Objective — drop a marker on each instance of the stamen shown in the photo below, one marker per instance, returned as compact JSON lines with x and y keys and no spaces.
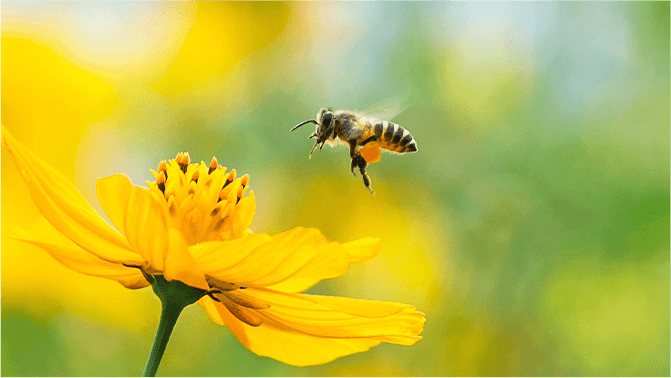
{"x":220,"y":285}
{"x":172,"y":206}
{"x":246,"y":301}
{"x":219,"y":224}
{"x":213,"y":165}
{"x":191,"y":197}
{"x":211,"y":295}
{"x":160,"y":181}
{"x":222,"y":196}
{"x":163,"y":167}
{"x":231,"y":177}
{"x":243,"y":314}
{"x":240,"y":190}
{"x":183,"y":160}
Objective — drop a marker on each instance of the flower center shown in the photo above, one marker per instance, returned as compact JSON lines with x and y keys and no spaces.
{"x":201,"y":200}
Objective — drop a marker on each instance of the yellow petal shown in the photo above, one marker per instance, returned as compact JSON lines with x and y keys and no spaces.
{"x":221,"y":315}
{"x":65,"y":208}
{"x":362,"y":249}
{"x":224,"y":254}
{"x":299,"y":349}
{"x":45,"y":236}
{"x":289,"y":347}
{"x":244,"y":214}
{"x":113,"y":194}
{"x":290,"y":262}
{"x":284,"y":256}
{"x":338,"y":317}
{"x":145,"y":226}
{"x":330,"y":265}
{"x":292,"y":347}
{"x":165,"y":250}
{"x":329,"y":262}
{"x":294,"y":285}
{"x":357,"y":307}
{"x":210,"y":308}
{"x":179,"y":265}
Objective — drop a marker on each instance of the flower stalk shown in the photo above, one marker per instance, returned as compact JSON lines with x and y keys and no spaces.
{"x":174,"y":296}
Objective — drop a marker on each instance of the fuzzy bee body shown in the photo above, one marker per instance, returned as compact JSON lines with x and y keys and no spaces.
{"x":365,"y":136}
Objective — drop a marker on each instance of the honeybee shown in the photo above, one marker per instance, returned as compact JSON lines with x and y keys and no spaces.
{"x":365,"y":136}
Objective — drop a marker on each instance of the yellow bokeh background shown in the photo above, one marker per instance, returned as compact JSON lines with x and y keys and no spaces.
{"x":531,"y":227}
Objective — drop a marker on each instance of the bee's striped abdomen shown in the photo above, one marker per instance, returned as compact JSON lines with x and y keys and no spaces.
{"x":393,"y":137}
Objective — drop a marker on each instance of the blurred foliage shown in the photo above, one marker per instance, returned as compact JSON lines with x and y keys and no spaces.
{"x":532,"y":227}
{"x":224,"y":33}
{"x":52,"y":92}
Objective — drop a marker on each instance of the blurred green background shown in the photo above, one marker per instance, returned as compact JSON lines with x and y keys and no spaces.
{"x":532,"y":227}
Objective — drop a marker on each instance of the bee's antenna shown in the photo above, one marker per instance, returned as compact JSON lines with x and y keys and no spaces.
{"x":303,"y":123}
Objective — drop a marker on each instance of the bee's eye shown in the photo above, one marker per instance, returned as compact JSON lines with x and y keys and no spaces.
{"x":326,"y":119}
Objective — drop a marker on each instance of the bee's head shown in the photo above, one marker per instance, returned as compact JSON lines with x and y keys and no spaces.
{"x":325,"y":127}
{"x":324,"y":120}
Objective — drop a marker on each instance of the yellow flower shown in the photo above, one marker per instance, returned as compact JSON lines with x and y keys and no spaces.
{"x":191,"y":225}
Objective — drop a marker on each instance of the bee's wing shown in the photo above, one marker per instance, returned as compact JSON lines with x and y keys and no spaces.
{"x":388,"y":108}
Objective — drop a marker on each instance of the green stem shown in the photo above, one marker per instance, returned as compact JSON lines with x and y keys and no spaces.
{"x":169,"y":313}
{"x":174,"y":296}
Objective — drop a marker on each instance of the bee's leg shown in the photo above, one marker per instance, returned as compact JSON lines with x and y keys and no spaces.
{"x":352,"y":149}
{"x":327,"y":134}
{"x":354,"y":164}
{"x":314,"y":135}
{"x":366,"y":180}
{"x":354,"y":156}
{"x":371,"y":139}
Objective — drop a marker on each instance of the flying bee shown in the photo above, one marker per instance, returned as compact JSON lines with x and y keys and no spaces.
{"x":365,"y":136}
